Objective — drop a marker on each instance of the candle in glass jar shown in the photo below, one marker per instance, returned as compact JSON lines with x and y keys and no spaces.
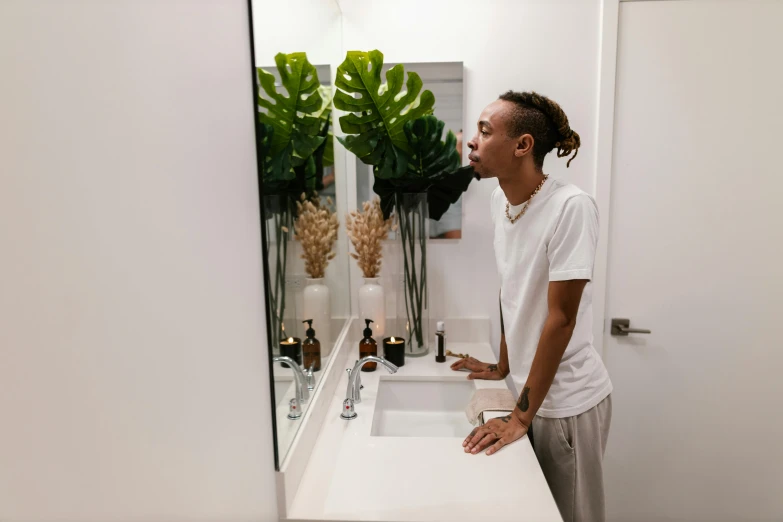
{"x":291,"y":347}
{"x":394,"y":350}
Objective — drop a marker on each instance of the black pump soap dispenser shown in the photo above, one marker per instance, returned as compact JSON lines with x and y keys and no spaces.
{"x":368,"y":346}
{"x":311,"y":348}
{"x":441,"y":335}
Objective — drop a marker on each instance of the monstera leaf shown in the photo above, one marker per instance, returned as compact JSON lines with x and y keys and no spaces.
{"x":378,"y":111}
{"x":433,"y":167}
{"x":295,"y":133}
{"x":428,"y":156}
{"x":325,"y":117}
{"x":436,"y":164}
{"x":278,"y":175}
{"x":442,"y":191}
{"x":275,"y":170}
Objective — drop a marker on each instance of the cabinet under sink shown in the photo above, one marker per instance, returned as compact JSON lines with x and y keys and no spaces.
{"x":422,"y":407}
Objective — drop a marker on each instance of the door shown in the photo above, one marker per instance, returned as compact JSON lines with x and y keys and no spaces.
{"x":695,"y":256}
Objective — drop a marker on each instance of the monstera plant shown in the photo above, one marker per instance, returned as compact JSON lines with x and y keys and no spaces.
{"x":292,"y":124}
{"x":390,"y":126}
{"x":294,"y":144}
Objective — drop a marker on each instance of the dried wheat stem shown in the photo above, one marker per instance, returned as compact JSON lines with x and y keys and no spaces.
{"x":316,"y":230}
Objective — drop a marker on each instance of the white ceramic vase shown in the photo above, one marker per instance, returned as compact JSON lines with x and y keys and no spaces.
{"x":317,"y":308}
{"x":372,"y":305}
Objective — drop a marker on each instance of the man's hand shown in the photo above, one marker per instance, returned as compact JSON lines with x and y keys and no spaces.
{"x":478,"y":369}
{"x":497,"y":433}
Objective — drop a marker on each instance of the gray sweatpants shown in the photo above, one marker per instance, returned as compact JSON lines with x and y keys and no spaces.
{"x":571,"y":451}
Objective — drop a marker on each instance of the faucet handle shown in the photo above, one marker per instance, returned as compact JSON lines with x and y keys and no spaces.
{"x":294,"y":409}
{"x":348,"y":410}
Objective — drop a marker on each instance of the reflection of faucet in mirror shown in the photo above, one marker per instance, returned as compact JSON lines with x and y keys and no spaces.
{"x":352,"y":393}
{"x":302,"y":392}
{"x":310,"y":377}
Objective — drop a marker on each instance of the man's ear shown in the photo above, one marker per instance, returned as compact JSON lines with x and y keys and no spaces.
{"x":524,"y":145}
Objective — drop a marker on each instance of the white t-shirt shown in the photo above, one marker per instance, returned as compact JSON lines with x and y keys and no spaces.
{"x":554,"y":241}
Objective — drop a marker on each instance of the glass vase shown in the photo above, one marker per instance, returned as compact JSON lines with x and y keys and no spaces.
{"x":412,"y":299}
{"x":279,"y":222}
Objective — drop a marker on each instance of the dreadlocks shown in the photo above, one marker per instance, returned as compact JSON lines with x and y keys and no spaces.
{"x":543,"y":119}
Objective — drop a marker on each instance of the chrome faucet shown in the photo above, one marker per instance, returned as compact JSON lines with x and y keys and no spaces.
{"x":353,"y":392}
{"x":302,"y":393}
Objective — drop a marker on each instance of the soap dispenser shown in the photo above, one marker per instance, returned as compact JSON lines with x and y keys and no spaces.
{"x":368,"y":346}
{"x":440,"y":356}
{"x":311,"y":348}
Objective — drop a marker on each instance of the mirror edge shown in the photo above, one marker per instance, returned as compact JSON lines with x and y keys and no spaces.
{"x":264,"y":252}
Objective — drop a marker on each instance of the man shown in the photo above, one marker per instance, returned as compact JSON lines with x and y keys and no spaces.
{"x":545,"y":239}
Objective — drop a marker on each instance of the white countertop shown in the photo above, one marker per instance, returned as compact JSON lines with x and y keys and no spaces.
{"x":353,"y":476}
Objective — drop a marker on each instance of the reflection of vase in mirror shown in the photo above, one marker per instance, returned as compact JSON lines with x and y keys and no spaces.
{"x":317,"y":307}
{"x":372,"y":305}
{"x":278,"y":219}
{"x":412,"y":299}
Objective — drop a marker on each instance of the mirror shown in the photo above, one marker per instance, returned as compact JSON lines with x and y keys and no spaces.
{"x":297,"y":47}
{"x":445,"y":81}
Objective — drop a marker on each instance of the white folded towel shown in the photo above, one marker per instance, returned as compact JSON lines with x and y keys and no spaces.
{"x":489,"y":399}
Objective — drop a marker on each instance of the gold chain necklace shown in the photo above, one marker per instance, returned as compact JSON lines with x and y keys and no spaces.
{"x":527,"y":204}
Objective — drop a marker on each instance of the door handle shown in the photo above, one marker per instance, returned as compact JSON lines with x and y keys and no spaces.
{"x":621,"y":327}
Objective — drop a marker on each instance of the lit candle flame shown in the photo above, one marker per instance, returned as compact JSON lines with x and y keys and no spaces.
{"x":291,"y":340}
{"x":393,"y":340}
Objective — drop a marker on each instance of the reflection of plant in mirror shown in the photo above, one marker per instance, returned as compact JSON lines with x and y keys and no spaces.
{"x":295,"y":128}
{"x":325,"y":117}
{"x":394,"y":131}
{"x":316,"y":230}
{"x":378,"y":111}
{"x":366,"y":230}
{"x":293,"y":139}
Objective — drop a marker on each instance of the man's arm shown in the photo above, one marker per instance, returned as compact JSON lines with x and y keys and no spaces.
{"x":563,"y":299}
{"x":491,"y":372}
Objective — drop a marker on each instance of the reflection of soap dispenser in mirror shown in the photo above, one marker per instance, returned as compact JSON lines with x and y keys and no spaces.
{"x":368,"y":346}
{"x":311,"y":348}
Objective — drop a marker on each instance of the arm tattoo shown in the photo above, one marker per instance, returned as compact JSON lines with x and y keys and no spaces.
{"x":524,"y":402}
{"x":506,"y":418}
{"x":492,"y":368}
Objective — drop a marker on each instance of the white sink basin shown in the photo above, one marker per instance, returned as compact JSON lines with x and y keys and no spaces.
{"x":422,"y":408}
{"x":282,"y":387}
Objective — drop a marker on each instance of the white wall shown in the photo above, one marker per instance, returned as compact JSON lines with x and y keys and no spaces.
{"x":311,"y":26}
{"x":551,"y":47}
{"x":133,"y":355}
